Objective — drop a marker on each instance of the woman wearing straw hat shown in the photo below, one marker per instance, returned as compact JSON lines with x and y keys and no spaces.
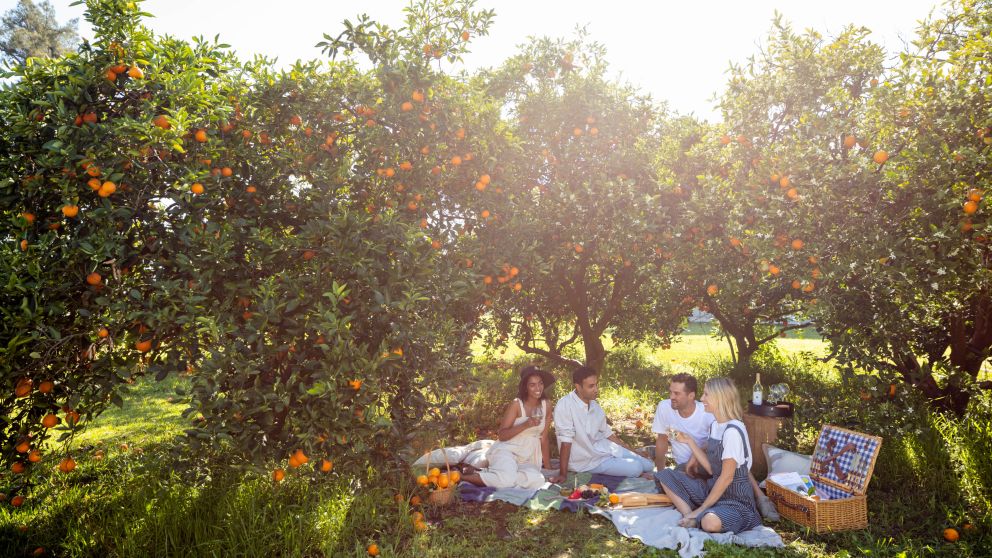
{"x":725,"y":501}
{"x":516,"y":460}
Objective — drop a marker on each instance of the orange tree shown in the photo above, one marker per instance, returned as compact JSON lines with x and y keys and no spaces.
{"x":572,"y":227}
{"x":167,"y":209}
{"x":909,"y":295}
{"x":755,"y":189}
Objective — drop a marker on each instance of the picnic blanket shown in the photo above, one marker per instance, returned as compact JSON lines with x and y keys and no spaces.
{"x":655,"y":527}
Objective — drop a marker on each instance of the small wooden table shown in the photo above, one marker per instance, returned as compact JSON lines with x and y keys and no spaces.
{"x":763,"y":423}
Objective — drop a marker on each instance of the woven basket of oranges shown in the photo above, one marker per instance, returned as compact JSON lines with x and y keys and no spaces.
{"x":440,"y":484}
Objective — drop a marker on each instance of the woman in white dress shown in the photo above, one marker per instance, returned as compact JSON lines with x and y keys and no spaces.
{"x":515,"y":461}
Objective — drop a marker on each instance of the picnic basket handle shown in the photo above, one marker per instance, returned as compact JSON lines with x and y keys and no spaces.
{"x":778,"y":499}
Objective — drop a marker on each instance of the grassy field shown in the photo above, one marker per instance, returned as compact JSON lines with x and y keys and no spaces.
{"x":136,"y":493}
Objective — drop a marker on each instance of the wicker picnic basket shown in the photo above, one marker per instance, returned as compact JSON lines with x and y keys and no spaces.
{"x":843,"y":463}
{"x":441,"y":496}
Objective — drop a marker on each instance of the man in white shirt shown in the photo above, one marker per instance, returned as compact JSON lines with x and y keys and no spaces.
{"x":680,"y":412}
{"x":586,"y":443}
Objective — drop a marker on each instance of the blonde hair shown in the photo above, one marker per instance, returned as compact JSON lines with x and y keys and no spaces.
{"x":721,"y":393}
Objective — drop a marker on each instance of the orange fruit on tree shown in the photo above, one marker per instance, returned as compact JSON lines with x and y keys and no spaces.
{"x":94,"y":279}
{"x":200,"y":135}
{"x":18,"y":467}
{"x":355,"y":384}
{"x":226,"y":171}
{"x":103,"y":333}
{"x":797,"y":244}
{"x":94,"y":184}
{"x":143,"y":346}
{"x":792,"y":194}
{"x":373,"y":549}
{"x":49,"y":420}
{"x":23,"y":387}
{"x":326,"y":465}
{"x":407,"y":106}
{"x":951,"y":534}
{"x":456,"y":160}
{"x":850,"y":141}
{"x":106,"y":189}
{"x":29,"y":217}
{"x":24,"y":245}
{"x":579,"y":248}
{"x":417,"y":96}
{"x":71,"y":417}
{"x":67,"y":465}
{"x":278,"y":475}
{"x":70,"y":211}
{"x":880,"y":157}
{"x":34,"y":456}
{"x":784,"y":182}
{"x":162,"y":122}
{"x":196,"y":188}
{"x":712,"y":290}
{"x":974,"y":195}
{"x":23,"y":446}
{"x":465,"y":35}
{"x":725,"y":139}
{"x":46,"y":387}
{"x":970,"y":207}
{"x":135,"y":72}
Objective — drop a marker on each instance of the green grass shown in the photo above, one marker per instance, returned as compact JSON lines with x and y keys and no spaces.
{"x":153,"y":500}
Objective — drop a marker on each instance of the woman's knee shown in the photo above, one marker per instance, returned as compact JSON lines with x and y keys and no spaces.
{"x":711,"y":523}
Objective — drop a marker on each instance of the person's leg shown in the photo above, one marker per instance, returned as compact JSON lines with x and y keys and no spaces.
{"x":618,"y":467}
{"x":711,"y":523}
{"x":646,"y":465}
{"x":677,"y":500}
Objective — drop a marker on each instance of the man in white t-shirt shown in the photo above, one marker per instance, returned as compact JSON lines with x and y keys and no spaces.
{"x":680,"y":412}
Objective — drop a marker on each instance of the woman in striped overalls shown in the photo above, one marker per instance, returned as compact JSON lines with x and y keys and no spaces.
{"x":725,"y":501}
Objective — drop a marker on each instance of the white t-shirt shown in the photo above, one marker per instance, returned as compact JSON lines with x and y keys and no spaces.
{"x":697,"y":426}
{"x":733,"y":445}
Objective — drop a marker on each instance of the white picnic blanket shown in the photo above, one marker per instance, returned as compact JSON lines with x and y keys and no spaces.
{"x":659,"y":527}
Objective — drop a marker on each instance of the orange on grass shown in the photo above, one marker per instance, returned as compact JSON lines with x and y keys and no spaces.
{"x":94,"y":279}
{"x":295,"y":120}
{"x":784,"y":182}
{"x":49,"y":420}
{"x":456,"y":160}
{"x":792,"y":194}
{"x":67,"y":465}
{"x":17,"y":501}
{"x":712,"y":290}
{"x":485,"y":214}
{"x":373,"y":549}
{"x":200,"y":135}
{"x":579,"y":248}
{"x":419,"y":526}
{"x":70,"y":211}
{"x":415,"y":501}
{"x":951,"y":534}
{"x":880,"y":157}
{"x":407,"y":106}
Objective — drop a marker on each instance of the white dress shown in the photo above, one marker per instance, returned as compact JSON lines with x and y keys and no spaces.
{"x":516,"y":463}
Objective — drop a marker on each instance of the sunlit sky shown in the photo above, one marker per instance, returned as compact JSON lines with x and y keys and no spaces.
{"x":678,"y":52}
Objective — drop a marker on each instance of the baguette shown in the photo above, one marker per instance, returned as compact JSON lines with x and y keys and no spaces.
{"x":638,"y":499}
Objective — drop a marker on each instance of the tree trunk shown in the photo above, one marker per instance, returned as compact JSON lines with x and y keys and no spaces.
{"x":595,"y":352}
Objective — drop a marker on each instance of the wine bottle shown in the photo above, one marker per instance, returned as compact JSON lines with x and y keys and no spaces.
{"x":757,"y":394}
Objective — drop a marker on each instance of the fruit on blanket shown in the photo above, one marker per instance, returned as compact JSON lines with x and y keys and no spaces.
{"x":575,"y":495}
{"x":614,"y":499}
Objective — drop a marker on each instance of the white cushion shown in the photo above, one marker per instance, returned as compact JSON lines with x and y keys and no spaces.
{"x":783,"y":461}
{"x":456,"y":454}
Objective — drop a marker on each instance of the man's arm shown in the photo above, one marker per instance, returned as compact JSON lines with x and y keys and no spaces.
{"x":661,"y":451}
{"x":564,"y":453}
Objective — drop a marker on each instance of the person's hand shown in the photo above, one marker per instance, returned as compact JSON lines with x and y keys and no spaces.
{"x":555,"y":479}
{"x":680,"y":436}
{"x":534,"y":421}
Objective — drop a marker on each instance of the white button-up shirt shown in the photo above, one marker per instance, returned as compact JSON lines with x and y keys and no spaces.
{"x":584,"y":426}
